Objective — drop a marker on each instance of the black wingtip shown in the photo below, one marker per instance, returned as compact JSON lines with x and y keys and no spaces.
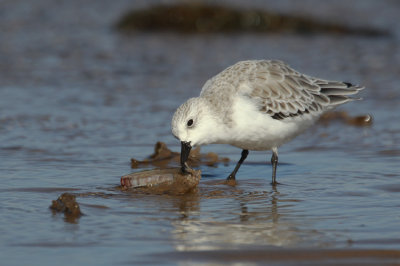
{"x":348,"y":84}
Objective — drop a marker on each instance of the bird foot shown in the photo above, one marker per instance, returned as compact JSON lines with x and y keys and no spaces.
{"x":275,"y":183}
{"x":231,"y":177}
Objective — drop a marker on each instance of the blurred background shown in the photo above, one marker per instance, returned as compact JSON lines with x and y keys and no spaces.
{"x":81,"y":93}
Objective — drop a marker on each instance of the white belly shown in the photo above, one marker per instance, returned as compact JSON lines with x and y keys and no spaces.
{"x":254,"y":130}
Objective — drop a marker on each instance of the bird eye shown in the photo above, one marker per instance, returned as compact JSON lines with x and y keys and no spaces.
{"x":190,"y":122}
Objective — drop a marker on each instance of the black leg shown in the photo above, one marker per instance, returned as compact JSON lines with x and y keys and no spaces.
{"x":274,"y":162}
{"x":244,"y":156}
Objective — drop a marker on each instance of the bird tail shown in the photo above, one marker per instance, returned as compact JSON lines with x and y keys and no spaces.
{"x":339,"y":92}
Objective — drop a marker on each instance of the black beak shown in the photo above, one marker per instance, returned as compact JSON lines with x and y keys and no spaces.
{"x":185,"y":150}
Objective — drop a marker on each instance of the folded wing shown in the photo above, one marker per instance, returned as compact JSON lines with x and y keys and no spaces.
{"x":282,"y":92}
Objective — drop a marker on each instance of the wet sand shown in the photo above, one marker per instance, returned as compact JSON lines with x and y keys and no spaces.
{"x":275,"y":256}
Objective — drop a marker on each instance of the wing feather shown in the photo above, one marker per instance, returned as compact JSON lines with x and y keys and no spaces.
{"x":283,"y":92}
{"x":277,"y":89}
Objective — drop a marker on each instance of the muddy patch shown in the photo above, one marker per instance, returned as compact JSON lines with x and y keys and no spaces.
{"x":209,"y":18}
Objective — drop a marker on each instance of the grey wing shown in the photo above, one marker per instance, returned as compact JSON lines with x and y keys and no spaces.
{"x":282,"y":92}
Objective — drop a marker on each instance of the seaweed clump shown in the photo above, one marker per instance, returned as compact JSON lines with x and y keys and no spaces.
{"x":209,"y":18}
{"x":163,"y":157}
{"x":358,"y":121}
{"x":66,"y":203}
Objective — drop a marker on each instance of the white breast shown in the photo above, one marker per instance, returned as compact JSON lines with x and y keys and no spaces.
{"x":255,"y":130}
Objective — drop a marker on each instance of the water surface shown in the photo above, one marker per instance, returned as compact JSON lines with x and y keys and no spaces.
{"x":78,"y":100}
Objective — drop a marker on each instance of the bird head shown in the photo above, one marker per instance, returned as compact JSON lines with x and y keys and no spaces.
{"x":193,"y":125}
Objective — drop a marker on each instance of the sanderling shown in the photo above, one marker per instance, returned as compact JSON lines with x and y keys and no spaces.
{"x":256,"y":105}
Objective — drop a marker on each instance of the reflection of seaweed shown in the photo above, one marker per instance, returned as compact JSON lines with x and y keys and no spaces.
{"x":207,"y":18}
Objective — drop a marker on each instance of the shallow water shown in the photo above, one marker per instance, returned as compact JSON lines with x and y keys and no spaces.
{"x":78,"y":100}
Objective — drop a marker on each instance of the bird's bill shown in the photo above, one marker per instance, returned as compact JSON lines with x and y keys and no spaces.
{"x":185,"y":150}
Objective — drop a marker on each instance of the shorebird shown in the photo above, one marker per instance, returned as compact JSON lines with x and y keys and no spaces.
{"x":256,"y":105}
